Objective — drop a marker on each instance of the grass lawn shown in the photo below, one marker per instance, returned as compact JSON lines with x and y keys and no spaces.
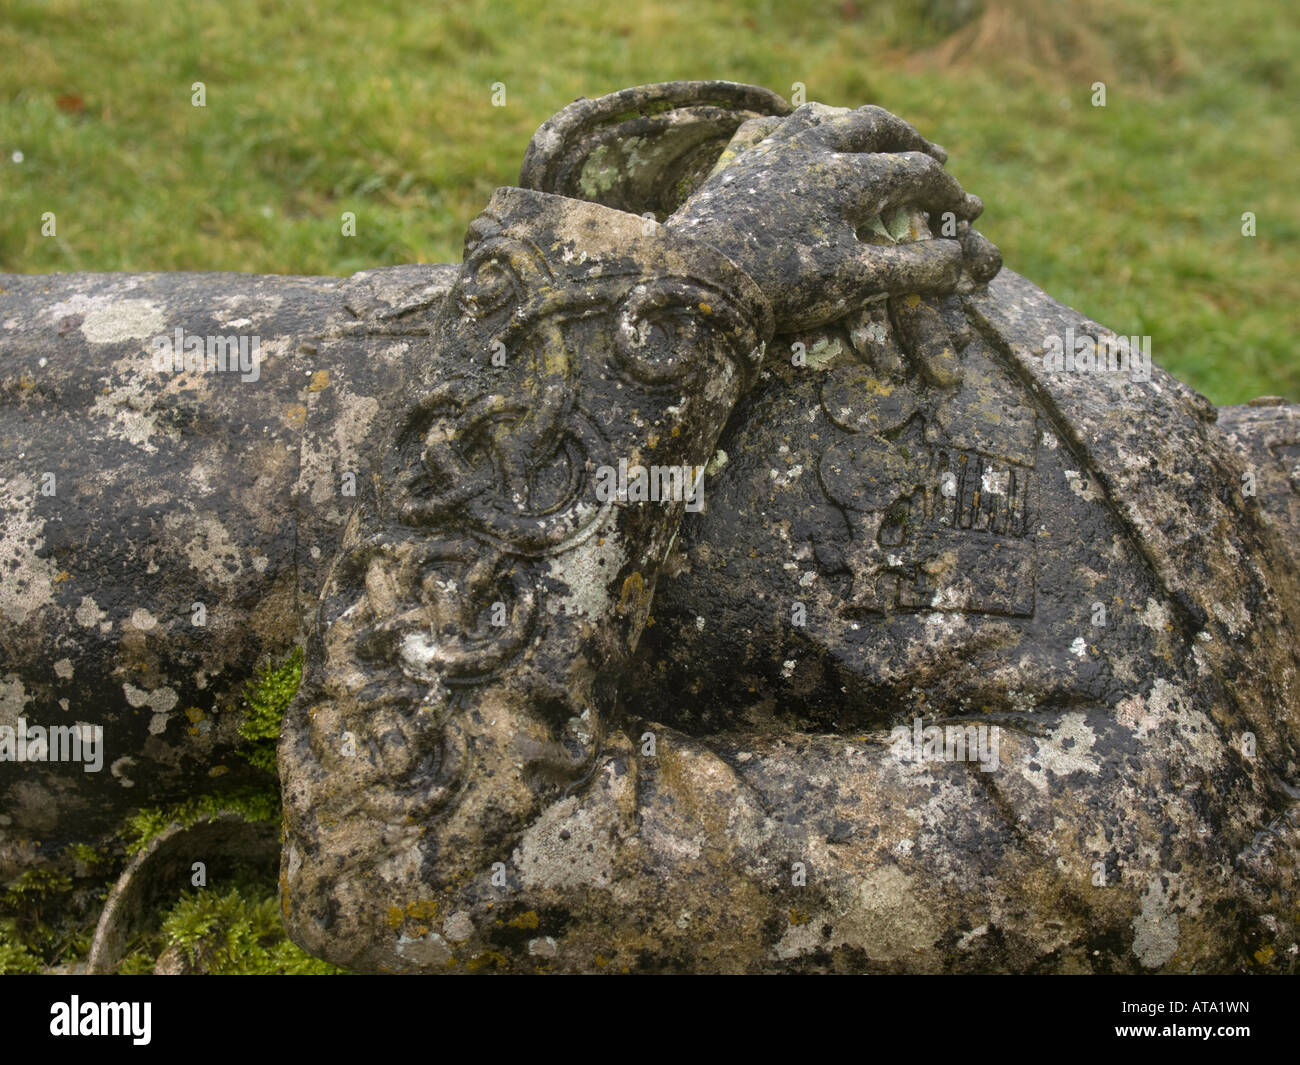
{"x":1130,"y":212}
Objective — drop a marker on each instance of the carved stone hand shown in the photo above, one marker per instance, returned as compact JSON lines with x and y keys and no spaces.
{"x":828,"y":208}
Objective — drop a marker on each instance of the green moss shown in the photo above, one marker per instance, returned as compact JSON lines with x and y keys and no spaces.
{"x":252,"y":804}
{"x":87,"y":854}
{"x":267,"y":697}
{"x":14,"y":956}
{"x":237,"y":932}
{"x":35,"y":884}
{"x":47,"y":920}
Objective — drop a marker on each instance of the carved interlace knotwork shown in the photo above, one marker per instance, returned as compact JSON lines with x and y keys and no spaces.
{"x":505,"y":452}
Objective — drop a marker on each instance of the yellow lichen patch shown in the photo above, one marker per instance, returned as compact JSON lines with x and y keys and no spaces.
{"x":1264,"y":955}
{"x":912,"y":301}
{"x":488,"y":957}
{"x":632,"y":594}
{"x":526,"y":920}
{"x":395,"y":917}
{"x":798,"y":917}
{"x":320,"y":381}
{"x":218,"y":771}
{"x":601,"y":960}
{"x":705,"y":309}
{"x":295,"y":414}
{"x":194,"y":714}
{"x":422,"y":908}
{"x":555,"y":361}
{"x":64,"y":575}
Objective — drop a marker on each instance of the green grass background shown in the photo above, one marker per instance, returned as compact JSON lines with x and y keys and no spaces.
{"x":1131,"y":212}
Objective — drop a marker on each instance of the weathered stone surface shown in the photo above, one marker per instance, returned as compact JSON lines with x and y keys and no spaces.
{"x":1121,"y":759}
{"x":485,"y":605}
{"x":169,"y":490}
{"x":643,"y":149}
{"x":749,"y":808}
{"x":540,"y":731}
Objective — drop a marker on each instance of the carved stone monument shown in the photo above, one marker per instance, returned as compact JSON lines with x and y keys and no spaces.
{"x":742,"y":573}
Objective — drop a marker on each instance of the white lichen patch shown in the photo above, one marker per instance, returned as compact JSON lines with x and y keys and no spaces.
{"x":28,"y":583}
{"x":823,"y":351}
{"x":543,"y":947}
{"x":88,"y":615}
{"x":1063,"y":751}
{"x":109,"y":320}
{"x":325,"y":457}
{"x":786,"y":479}
{"x":1084,"y":486}
{"x":161,"y":701}
{"x":580,"y":861}
{"x":995,"y":482}
{"x":586,"y":571}
{"x":119,"y":768}
{"x":239,"y":311}
{"x":886,"y":912}
{"x":458,"y":927}
{"x":210,"y":550}
{"x":1236,"y":618}
{"x":1156,"y":617}
{"x":1155,"y":928}
{"x":941,"y":627}
{"x":127,"y":400}
{"x":424,"y":950}
{"x":1143,"y":716}
{"x":13,"y":699}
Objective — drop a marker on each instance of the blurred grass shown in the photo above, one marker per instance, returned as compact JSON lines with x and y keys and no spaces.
{"x":1131,"y":212}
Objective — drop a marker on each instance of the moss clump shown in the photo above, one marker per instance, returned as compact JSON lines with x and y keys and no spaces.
{"x":14,"y":957}
{"x":87,"y":855}
{"x":238,"y":931}
{"x":29,"y":943}
{"x":252,"y":804}
{"x":267,"y":697}
{"x":235,"y":933}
